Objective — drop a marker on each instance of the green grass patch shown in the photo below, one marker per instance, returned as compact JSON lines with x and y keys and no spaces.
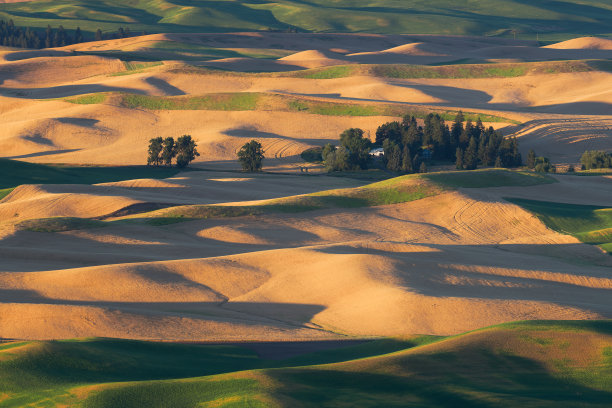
{"x":91,"y":99}
{"x":592,"y":172}
{"x":338,"y":71}
{"x":488,"y":178}
{"x":5,"y":191}
{"x":14,"y":173}
{"x":341,"y":108}
{"x":59,"y":224}
{"x":248,"y":101}
{"x":136,"y":67}
{"x":225,"y":102}
{"x":590,"y":224}
{"x":453,"y":70}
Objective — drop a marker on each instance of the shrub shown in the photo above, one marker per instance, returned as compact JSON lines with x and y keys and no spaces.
{"x":543,"y":165}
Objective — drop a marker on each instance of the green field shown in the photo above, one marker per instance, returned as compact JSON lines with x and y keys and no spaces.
{"x":590,"y":224}
{"x":251,"y":101}
{"x":453,"y":70}
{"x":552,"y":20}
{"x":488,"y":178}
{"x":533,"y":364}
{"x":154,"y":52}
{"x":14,"y":173}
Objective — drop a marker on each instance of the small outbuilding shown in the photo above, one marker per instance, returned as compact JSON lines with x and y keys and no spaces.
{"x":378,"y":152}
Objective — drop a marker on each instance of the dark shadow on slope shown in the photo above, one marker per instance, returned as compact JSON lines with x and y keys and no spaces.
{"x":164,"y":86}
{"x":62,"y":91}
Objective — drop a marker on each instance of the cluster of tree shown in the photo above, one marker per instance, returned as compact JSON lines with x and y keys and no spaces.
{"x":120,"y":33}
{"x":352,"y":154}
{"x":163,"y":151}
{"x":468,"y":144}
{"x":541,"y":164}
{"x":596,"y":159}
{"x":251,"y":156}
{"x":400,"y":159}
{"x":12,"y":36}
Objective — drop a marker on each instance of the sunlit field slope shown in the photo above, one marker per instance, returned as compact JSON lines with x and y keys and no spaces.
{"x":221,"y":256}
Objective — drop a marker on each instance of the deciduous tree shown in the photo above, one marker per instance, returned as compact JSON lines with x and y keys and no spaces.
{"x":186,"y":151}
{"x":155,"y":149}
{"x":251,"y":156}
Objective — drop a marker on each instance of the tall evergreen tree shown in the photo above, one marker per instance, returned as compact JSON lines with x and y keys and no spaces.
{"x":498,"y":162}
{"x":456,"y":129}
{"x":406,"y":160}
{"x":470,"y":158}
{"x":413,"y":136}
{"x":459,"y":159}
{"x":48,"y":37}
{"x":98,"y":36}
{"x":416,"y":161}
{"x":467,"y":133}
{"x":531,"y":158}
{"x":78,"y":36}
{"x":393,"y":155}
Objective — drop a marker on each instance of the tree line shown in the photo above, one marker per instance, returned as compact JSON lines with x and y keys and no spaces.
{"x":163,"y":151}
{"x":18,"y":37}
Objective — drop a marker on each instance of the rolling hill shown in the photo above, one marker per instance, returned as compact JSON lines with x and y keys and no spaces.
{"x":539,"y":364}
{"x":551,"y":19}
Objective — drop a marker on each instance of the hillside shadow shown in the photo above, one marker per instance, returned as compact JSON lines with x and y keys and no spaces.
{"x":459,"y":378}
{"x":82,"y":122}
{"x":576,"y":108}
{"x":251,"y":133}
{"x":288,"y":315}
{"x":63,"y":91}
{"x":474,"y":271}
{"x":164,"y":86}
{"x":39,"y":154}
{"x":28,"y":54}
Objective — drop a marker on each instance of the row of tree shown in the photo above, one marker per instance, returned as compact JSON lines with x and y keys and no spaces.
{"x":163,"y":151}
{"x":12,"y":36}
